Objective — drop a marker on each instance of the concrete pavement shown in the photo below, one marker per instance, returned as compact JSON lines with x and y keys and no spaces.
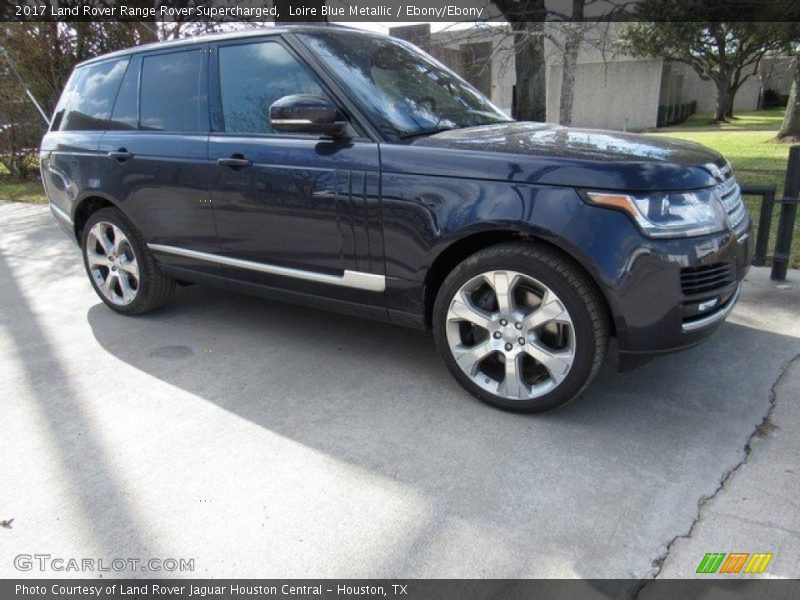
{"x":267,"y":440}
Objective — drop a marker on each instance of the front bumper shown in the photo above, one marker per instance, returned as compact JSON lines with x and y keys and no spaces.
{"x":717,"y":315}
{"x":664,"y":295}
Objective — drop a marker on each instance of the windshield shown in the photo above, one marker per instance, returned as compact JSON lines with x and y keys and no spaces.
{"x":406,"y":92}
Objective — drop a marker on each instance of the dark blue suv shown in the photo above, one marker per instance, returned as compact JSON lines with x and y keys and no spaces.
{"x":350,"y":171}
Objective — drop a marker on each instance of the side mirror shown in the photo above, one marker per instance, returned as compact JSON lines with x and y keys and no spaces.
{"x":304,"y":113}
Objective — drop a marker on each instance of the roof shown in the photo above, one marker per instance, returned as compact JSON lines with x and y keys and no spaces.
{"x":229,"y":35}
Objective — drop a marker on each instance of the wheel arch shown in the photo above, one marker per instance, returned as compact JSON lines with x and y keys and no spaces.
{"x":461,"y":249}
{"x":87,"y":206}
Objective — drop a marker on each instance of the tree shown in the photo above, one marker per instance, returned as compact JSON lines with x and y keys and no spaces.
{"x":21,"y":127}
{"x":572,"y":44}
{"x":790,"y":127}
{"x":595,"y":35}
{"x":526,"y":19}
{"x":574,"y":34}
{"x":567,"y":32}
{"x":44,"y":54}
{"x":726,"y":53}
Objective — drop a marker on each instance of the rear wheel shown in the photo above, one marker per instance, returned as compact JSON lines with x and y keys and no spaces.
{"x":121,"y":268}
{"x":521,"y":327}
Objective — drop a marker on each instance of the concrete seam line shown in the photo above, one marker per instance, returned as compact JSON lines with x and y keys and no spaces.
{"x":763,"y":428}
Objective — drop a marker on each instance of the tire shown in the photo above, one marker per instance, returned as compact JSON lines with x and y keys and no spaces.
{"x":535,"y":346}
{"x":120,"y":266}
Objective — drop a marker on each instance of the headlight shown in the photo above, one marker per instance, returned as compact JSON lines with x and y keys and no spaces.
{"x":668,"y":214}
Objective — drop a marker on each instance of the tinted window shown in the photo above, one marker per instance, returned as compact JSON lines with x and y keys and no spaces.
{"x":126,"y":109}
{"x":252,"y":77}
{"x":86,"y":102}
{"x":170,"y":93}
{"x":406,"y":92}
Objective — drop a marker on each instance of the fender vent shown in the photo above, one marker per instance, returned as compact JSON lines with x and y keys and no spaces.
{"x":707,"y":279}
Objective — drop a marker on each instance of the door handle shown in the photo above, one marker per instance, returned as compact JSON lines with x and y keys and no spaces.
{"x":121,"y":155}
{"x":235,"y":162}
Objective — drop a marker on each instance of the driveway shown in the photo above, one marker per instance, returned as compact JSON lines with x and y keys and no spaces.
{"x":266,"y":440}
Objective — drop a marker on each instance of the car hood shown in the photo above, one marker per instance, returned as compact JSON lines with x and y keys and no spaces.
{"x":553,"y":154}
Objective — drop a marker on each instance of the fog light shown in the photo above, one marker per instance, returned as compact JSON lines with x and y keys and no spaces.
{"x":707,"y":305}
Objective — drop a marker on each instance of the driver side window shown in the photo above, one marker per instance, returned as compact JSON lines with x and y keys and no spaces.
{"x":252,"y":77}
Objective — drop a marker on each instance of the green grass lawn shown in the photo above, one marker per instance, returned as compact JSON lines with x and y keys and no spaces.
{"x":20,"y":191}
{"x":747,"y":144}
{"x":752,"y":119}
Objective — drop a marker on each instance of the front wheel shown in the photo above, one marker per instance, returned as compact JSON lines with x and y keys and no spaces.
{"x":521,"y":327}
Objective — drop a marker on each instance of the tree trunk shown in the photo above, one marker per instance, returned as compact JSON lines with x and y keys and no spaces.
{"x":732,"y":91}
{"x":729,"y":107}
{"x":571,"y":46}
{"x":529,"y":65}
{"x":724,"y":99}
{"x":790,"y":128}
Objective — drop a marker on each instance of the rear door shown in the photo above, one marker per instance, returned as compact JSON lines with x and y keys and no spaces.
{"x":299,"y":212}
{"x":72,"y":165}
{"x":156,"y":150}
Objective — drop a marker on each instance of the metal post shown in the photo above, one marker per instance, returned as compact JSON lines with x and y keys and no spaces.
{"x":764,"y":222}
{"x":791,"y":192}
{"x":28,"y":92}
{"x":767,"y":194}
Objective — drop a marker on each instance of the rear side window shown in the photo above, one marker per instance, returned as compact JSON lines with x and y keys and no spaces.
{"x":170,"y":91}
{"x":89,"y":96}
{"x":126,"y":109}
{"x":252,"y":77}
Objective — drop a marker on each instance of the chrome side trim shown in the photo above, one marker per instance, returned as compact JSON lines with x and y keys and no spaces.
{"x":61,"y":215}
{"x":716,"y":317}
{"x":291,"y":121}
{"x":351,"y":279}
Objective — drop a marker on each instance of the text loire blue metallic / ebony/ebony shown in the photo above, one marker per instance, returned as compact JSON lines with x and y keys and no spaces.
{"x":352,"y":172}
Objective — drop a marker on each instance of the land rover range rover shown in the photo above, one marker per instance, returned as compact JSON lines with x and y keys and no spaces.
{"x":350,"y":171}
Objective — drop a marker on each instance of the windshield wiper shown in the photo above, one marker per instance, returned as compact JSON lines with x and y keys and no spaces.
{"x":421,"y":132}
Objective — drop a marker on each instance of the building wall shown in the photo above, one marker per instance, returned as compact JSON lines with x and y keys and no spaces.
{"x":503,"y":74}
{"x":777,"y":74}
{"x":705,"y":92}
{"x":620,"y":95}
{"x":612,"y":91}
{"x":462,"y":51}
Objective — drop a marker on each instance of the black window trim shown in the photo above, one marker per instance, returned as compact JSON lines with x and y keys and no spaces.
{"x":215,"y":93}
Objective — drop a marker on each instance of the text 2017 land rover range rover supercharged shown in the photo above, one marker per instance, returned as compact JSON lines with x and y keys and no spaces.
{"x":351,"y":171}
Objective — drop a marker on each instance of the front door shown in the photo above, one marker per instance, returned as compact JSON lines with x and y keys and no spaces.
{"x":294,"y":212}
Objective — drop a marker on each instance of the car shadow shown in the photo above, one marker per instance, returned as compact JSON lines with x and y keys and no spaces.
{"x":378,"y":397}
{"x":105,"y":511}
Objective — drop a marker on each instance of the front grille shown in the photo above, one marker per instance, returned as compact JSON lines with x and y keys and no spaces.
{"x":707,"y":279}
{"x":731,"y":197}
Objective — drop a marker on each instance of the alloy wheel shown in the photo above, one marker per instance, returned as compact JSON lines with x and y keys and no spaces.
{"x":112,"y":263}
{"x":511,"y":335}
